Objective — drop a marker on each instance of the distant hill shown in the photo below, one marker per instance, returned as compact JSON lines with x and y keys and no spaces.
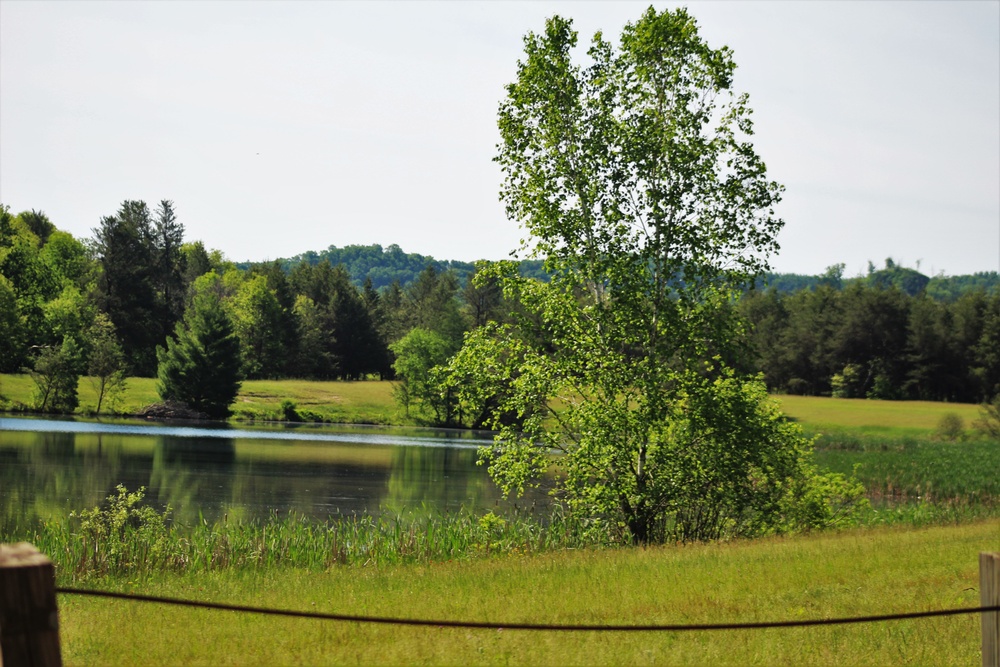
{"x":384,"y":265}
{"x":911,"y":281}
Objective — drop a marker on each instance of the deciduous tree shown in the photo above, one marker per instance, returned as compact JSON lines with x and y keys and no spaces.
{"x":636,"y":180}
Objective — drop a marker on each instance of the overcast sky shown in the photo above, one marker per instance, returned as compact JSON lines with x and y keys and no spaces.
{"x":278,"y":128}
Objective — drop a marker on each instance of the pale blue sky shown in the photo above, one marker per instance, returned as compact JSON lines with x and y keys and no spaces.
{"x":280,"y":128}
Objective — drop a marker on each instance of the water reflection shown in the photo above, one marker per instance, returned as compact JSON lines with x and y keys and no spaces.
{"x":205,"y":476}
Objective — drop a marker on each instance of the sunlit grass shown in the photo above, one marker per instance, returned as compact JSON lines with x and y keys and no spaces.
{"x":827,"y":575}
{"x":873,"y":416}
{"x":371,"y":402}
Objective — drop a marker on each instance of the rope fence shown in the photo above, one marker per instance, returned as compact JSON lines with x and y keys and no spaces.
{"x":29,"y":618}
{"x":571,"y":627}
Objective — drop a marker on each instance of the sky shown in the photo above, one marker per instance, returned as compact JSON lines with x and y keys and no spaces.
{"x":277,"y":128}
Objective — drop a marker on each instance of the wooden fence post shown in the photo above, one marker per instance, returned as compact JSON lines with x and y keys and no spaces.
{"x":29,"y":620}
{"x":989,"y":596}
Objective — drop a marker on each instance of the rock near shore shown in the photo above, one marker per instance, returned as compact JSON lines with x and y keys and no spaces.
{"x":170,"y":410}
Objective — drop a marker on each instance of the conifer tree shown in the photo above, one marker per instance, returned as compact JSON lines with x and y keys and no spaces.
{"x":201,"y":363}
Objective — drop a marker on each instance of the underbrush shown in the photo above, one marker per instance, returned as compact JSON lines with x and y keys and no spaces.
{"x":125,"y":537}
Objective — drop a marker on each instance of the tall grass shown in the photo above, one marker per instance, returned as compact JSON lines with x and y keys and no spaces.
{"x":830,"y":575}
{"x":128,"y":538}
{"x":910,"y":468}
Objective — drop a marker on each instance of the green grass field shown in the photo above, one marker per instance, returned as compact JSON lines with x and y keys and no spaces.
{"x":818,"y":576}
{"x":371,"y":402}
{"x":872,"y":416}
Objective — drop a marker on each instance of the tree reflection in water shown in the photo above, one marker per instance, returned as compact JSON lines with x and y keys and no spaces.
{"x":46,"y":475}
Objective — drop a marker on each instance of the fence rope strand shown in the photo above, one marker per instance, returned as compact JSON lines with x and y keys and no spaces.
{"x":384,"y":620}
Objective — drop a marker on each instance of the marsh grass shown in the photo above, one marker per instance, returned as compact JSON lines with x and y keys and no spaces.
{"x":124,"y":537}
{"x":915,"y":468}
{"x":815,"y":576}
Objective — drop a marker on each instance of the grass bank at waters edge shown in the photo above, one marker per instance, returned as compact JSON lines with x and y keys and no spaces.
{"x":365,"y":402}
{"x":371,"y":402}
{"x":827,"y":575}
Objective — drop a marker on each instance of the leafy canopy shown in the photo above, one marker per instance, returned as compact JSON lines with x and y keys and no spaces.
{"x":636,"y":181}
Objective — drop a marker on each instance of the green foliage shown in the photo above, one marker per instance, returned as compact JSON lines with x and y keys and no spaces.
{"x":989,"y":419}
{"x":257,"y":318}
{"x":124,"y":537}
{"x":868,"y":341}
{"x":201,"y":363}
{"x":640,"y":189}
{"x":417,"y":354}
{"x":289,"y":411}
{"x":897,"y":471}
{"x":950,"y":427}
{"x":56,"y":375}
{"x":106,"y":364}
{"x":12,"y":327}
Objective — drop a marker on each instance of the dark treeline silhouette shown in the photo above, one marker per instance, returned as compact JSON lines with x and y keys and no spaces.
{"x":887,"y":335}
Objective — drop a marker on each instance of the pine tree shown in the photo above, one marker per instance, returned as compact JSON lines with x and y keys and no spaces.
{"x":201,"y":363}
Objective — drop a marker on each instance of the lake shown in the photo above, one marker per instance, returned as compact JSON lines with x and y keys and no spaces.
{"x":50,"y":467}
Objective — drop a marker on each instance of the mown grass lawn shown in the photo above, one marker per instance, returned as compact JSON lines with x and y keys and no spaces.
{"x":825,"y":575}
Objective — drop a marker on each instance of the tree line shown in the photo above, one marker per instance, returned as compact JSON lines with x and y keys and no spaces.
{"x":383,"y":267}
{"x":871,"y":338}
{"x":102,"y":307}
{"x":113,"y":305}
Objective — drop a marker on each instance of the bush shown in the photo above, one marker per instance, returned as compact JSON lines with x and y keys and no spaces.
{"x":950,"y":427}
{"x":56,"y":376}
{"x":989,"y":419}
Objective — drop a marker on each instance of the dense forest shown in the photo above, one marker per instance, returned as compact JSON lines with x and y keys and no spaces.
{"x":105,"y":304}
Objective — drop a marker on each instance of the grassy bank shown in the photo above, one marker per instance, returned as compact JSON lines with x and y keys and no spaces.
{"x":371,"y":402}
{"x":845,"y":574}
{"x":258,"y":400}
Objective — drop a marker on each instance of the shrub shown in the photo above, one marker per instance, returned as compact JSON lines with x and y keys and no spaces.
{"x":950,"y":427}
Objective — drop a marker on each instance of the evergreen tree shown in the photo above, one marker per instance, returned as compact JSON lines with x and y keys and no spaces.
{"x":169,"y":267}
{"x":201,"y":363}
{"x":125,"y":289}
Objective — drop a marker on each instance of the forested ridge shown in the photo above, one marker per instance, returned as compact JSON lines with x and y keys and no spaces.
{"x":347,"y":313}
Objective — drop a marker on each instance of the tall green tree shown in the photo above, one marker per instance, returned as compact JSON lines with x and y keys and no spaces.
{"x":29,"y":283}
{"x":258,"y":320}
{"x":126,"y":291}
{"x":169,"y":267}
{"x":636,"y":180}
{"x":200,"y":365}
{"x":417,"y":354}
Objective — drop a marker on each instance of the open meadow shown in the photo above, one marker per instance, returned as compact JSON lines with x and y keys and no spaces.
{"x":810,"y":576}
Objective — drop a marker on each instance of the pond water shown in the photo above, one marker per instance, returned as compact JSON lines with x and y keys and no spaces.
{"x":50,"y":467}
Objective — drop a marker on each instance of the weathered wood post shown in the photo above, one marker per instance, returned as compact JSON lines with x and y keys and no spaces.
{"x":29,"y":621}
{"x":989,"y":596}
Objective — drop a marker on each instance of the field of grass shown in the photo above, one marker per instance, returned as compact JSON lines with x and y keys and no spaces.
{"x":371,"y":402}
{"x":826,"y":575}
{"x":258,"y":400}
{"x":871,"y":416}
